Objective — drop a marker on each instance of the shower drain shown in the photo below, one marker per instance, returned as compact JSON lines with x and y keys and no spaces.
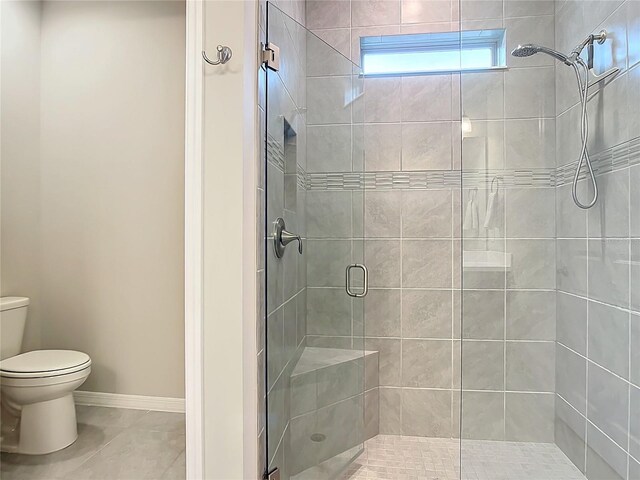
{"x":318,"y":437}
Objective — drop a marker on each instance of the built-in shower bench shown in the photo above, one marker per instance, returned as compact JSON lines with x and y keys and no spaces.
{"x":334,"y":405}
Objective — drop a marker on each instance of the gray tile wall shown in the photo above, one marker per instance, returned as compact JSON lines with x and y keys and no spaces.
{"x":335,"y":216}
{"x":281,"y":285}
{"x":597,"y":421}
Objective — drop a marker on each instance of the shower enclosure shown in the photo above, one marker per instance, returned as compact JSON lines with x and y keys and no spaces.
{"x":435,"y":305}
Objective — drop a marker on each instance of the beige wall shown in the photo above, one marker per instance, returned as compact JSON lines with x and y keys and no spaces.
{"x":230,"y":151}
{"x":19,"y":157}
{"x":111,"y":191}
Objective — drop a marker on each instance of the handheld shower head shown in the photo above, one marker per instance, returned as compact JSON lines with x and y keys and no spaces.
{"x":581,"y":70}
{"x":531,"y":49}
{"x":525,"y":50}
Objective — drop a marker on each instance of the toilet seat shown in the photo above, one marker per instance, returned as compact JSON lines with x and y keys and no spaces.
{"x":44,"y":364}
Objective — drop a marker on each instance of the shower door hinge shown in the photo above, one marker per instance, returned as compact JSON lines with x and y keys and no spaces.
{"x":271,"y":56}
{"x":273,"y":474}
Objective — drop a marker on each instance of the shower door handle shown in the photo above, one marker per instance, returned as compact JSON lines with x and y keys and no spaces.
{"x":366,"y":280}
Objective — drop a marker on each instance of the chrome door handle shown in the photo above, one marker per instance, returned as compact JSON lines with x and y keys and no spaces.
{"x":366,"y":280}
{"x":282,"y":238}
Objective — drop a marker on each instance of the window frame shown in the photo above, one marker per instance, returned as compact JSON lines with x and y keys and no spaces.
{"x":461,"y":41}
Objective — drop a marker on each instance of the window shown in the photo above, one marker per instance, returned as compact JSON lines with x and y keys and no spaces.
{"x":433,"y":52}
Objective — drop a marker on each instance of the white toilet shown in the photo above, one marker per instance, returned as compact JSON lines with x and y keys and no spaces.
{"x":38,"y":412}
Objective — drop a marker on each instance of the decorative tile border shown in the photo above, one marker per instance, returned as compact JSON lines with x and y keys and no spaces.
{"x":621,"y":156}
{"x":383,"y":180}
{"x":433,"y":179}
{"x":520,"y":178}
{"x":275,"y":153}
{"x":301,"y":179}
{"x":616,"y":158}
{"x":275,"y":156}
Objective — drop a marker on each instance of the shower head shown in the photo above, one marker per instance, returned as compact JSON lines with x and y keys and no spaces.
{"x":525,"y":50}
{"x":532,"y":49}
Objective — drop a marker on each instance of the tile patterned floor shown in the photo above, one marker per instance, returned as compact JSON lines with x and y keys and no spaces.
{"x":389,"y":457}
{"x":113,"y":444}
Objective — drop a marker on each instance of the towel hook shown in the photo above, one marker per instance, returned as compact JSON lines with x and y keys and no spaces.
{"x":224,"y":55}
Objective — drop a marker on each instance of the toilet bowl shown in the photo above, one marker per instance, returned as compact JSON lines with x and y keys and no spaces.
{"x":38,"y":411}
{"x":38,"y":386}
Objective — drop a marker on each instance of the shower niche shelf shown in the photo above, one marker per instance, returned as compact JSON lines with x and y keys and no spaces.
{"x":486,"y":261}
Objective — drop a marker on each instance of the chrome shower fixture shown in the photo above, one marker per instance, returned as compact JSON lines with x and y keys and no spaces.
{"x":588,"y":42}
{"x":532,"y":49}
{"x":581,"y":69}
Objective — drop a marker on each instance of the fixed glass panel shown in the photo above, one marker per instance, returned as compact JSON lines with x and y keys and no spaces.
{"x":314,"y":329}
{"x":509,"y":270}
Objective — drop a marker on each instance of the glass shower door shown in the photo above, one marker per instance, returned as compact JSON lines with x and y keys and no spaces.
{"x":315,"y":278}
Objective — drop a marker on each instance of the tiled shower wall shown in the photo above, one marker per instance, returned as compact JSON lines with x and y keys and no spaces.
{"x":285,"y":313}
{"x":508,"y":312}
{"x":412,"y":223}
{"x":598,"y":276}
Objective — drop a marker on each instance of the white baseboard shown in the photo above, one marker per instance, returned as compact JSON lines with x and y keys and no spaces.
{"x":136,"y":402}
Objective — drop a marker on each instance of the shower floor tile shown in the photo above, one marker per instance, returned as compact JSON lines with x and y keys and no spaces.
{"x":391,"y":457}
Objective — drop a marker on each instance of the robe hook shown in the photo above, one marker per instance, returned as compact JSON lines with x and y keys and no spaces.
{"x":224,"y":55}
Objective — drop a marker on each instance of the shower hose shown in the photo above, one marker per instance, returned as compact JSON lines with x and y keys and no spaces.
{"x":582,"y":76}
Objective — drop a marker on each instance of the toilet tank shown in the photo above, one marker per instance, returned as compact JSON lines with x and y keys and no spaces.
{"x":13,"y":316}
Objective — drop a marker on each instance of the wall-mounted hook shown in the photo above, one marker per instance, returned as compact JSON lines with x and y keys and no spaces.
{"x":224,"y":55}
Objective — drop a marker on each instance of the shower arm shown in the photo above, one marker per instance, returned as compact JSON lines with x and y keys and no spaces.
{"x":605,"y":76}
{"x":588,"y":42}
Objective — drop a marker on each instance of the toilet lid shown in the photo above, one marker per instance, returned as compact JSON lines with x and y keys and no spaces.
{"x":44,"y":363}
